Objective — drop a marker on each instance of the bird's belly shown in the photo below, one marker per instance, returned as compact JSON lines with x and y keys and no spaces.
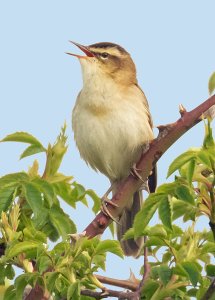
{"x":111,"y":142}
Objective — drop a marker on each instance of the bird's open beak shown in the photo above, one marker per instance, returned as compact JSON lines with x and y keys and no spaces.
{"x":84,"y":49}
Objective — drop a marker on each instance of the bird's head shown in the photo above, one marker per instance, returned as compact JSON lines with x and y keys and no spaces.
{"x":107,"y":59}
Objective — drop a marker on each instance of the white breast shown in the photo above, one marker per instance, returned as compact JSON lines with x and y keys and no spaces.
{"x":111,"y":127}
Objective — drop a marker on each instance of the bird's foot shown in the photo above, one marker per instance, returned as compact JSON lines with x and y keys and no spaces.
{"x":104,"y":208}
{"x":134,"y":172}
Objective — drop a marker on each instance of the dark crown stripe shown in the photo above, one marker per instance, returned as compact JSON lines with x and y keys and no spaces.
{"x":106,"y":45}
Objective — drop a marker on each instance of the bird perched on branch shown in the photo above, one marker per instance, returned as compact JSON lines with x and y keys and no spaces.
{"x":112,"y":123}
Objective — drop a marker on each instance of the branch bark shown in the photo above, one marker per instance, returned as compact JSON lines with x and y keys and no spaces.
{"x":147,"y":266}
{"x":168,"y":135}
{"x":126,"y":284}
{"x":110,"y":293}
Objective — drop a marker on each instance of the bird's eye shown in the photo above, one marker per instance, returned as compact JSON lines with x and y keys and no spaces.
{"x":104,"y":55}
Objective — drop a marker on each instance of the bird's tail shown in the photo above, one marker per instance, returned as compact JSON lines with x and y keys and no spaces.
{"x":133,"y":247}
{"x":130,"y":247}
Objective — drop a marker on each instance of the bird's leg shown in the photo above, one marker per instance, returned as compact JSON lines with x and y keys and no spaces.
{"x":134,"y":172}
{"x":106,"y":201}
{"x":105,"y":196}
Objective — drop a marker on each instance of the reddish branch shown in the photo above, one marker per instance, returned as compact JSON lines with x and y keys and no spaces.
{"x":126,"y":284}
{"x":110,"y":293}
{"x":168,"y":135}
{"x":147,"y":266}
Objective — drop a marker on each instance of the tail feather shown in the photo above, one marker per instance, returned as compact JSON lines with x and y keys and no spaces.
{"x":130,"y":247}
{"x":133,"y":247}
{"x":152,"y":180}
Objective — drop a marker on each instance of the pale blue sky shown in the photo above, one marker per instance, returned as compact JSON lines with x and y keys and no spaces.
{"x":171,"y":42}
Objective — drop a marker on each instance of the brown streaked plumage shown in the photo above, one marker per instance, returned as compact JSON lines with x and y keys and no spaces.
{"x":112,"y":123}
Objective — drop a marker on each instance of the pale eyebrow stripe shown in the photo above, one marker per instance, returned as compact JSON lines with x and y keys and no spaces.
{"x":111,"y":51}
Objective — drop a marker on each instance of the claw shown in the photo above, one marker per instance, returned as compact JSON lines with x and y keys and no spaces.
{"x":105,"y":211}
{"x":106,"y":201}
{"x":134,"y":173}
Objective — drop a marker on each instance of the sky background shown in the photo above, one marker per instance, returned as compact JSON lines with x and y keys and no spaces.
{"x":172,"y":44}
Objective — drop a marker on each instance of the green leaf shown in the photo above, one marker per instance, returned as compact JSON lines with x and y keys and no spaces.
{"x":146,"y":213}
{"x":64,"y":190}
{"x":129,"y":234}
{"x":205,"y":283}
{"x":6,"y":197}
{"x":61,"y":221}
{"x":20,"y":284}
{"x":41,"y":220}
{"x":9,"y":272}
{"x":177,"y":231}
{"x":99,"y":261}
{"x":211,"y":84}
{"x":149,"y":289}
{"x":157,"y":230}
{"x":61,"y":284}
{"x":155,"y":241}
{"x":22,"y":137}
{"x":179,"y":270}
{"x":183,"y":193}
{"x":165,"y":274}
{"x":46,"y":188}
{"x":79,"y":190}
{"x":109,"y":246}
{"x":55,"y":154}
{"x":74,"y":291}
{"x":204,"y":157}
{"x":96,"y":199}
{"x":43,"y":263}
{"x":10,"y":293}
{"x":208,"y":247}
{"x":166,"y":257}
{"x":181,"y":160}
{"x":112,"y":228}
{"x":33,"y":197}
{"x":30,"y":233}
{"x":51,"y":277}
{"x":165,"y":212}
{"x":179,"y":208}
{"x":210,"y":270}
{"x":208,"y":139}
{"x":167,"y":188}
{"x":13,"y":179}
{"x":31,"y":150}
{"x":190,"y":213}
{"x":192,"y":271}
{"x":192,"y":292}
{"x":190,"y":170}
{"x":20,"y":247}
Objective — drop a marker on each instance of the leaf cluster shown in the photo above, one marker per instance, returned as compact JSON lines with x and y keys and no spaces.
{"x":181,"y":259}
{"x":32,"y":218}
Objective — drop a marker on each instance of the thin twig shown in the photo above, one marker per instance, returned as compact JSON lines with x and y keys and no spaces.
{"x":127,"y":284}
{"x":147,"y":267}
{"x":110,"y":293}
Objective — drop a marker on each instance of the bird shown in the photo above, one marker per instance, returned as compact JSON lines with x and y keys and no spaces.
{"x":112,"y":124}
